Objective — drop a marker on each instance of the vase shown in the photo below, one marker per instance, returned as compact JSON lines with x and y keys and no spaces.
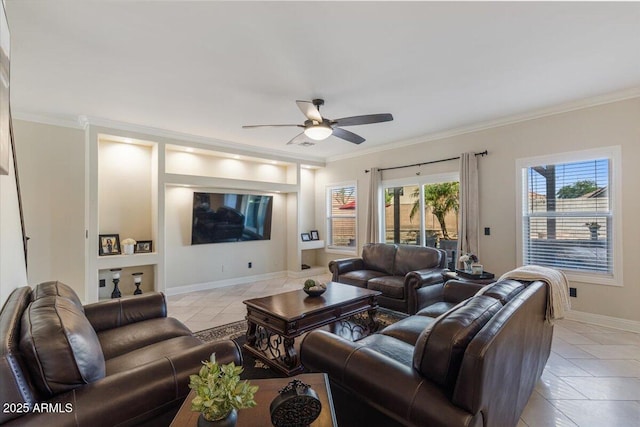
{"x":229,"y":421}
{"x":467,"y":266}
{"x":127,"y":249}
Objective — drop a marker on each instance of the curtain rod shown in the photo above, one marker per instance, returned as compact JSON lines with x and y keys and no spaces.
{"x":484,"y":153}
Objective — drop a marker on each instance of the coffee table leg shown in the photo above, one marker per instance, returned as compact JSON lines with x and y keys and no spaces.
{"x":373,"y":321}
{"x":290,"y":358}
{"x":251,"y":333}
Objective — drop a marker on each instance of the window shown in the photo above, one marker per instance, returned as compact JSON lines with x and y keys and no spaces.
{"x":568,"y":215}
{"x":422,"y":211}
{"x":341,"y":217}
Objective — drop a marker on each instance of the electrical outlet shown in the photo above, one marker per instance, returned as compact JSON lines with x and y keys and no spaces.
{"x":487,"y":231}
{"x":102,"y":283}
{"x":249,"y":265}
{"x":573,"y":292}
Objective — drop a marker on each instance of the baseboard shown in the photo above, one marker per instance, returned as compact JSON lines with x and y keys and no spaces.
{"x":177,"y":290}
{"x":600,"y":320}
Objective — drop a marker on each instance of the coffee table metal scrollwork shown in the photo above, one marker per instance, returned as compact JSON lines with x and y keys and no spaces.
{"x":275,"y":321}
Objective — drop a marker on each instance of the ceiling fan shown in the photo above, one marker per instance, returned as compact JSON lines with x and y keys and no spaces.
{"x":319,"y":128}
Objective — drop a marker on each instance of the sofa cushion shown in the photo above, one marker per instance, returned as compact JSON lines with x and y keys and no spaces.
{"x":390,"y":286}
{"x":391,"y":347}
{"x":503,"y":291}
{"x":436,"y":309}
{"x":411,"y":258}
{"x":60,"y":347}
{"x":359,"y":278}
{"x":379,"y":257}
{"x":56,"y":288}
{"x":118,"y":341}
{"x":440,"y":348}
{"x":409,"y":329}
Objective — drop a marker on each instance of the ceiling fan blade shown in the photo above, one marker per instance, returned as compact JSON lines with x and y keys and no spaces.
{"x":363,"y":120}
{"x":348,"y":136}
{"x":298,"y":139}
{"x":271,"y":126}
{"x":309,"y":110}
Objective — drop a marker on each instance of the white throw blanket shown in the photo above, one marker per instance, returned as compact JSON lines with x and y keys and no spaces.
{"x":558,"y":295}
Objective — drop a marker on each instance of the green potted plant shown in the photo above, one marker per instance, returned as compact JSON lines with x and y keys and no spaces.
{"x":220,"y":393}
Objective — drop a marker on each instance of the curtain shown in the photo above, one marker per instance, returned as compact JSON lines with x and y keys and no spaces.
{"x":468,"y":214}
{"x":373,"y":209}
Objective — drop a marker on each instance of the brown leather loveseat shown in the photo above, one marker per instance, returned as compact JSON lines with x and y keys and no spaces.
{"x":474,"y":365}
{"x":117,"y":362}
{"x":395,"y":270}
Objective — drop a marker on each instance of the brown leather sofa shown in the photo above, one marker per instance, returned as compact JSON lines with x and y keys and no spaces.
{"x":474,"y":365}
{"x":117,"y":362}
{"x":395,"y":270}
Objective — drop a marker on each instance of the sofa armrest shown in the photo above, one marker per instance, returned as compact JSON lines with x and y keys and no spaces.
{"x":457,"y":291}
{"x":118,"y":312}
{"x":344,"y":265}
{"x":412,"y":400}
{"x":132,"y":396}
{"x":428,"y":295}
{"x":418,"y":279}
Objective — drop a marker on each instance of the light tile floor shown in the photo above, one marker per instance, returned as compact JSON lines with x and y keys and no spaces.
{"x":592,"y":378}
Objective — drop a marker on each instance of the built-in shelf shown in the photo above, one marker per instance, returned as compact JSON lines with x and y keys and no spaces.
{"x":313,"y":244}
{"x":123,"y":261}
{"x":228,"y":183}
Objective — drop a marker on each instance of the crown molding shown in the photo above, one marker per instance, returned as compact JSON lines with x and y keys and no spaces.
{"x":73,"y":122}
{"x":505,"y":121}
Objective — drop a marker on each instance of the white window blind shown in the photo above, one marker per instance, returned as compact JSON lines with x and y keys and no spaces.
{"x":567,"y":216}
{"x":341,"y":217}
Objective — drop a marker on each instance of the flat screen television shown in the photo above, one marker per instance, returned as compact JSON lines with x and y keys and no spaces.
{"x":225,"y":217}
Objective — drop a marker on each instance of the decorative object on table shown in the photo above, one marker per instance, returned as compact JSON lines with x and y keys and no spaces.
{"x":144,"y":246}
{"x":127,"y":246}
{"x":297,"y":404}
{"x":314,"y":235}
{"x":115,"y":277}
{"x":137,"y":280}
{"x":476,"y":268}
{"x":305,"y":237}
{"x":467,"y":260}
{"x":220,"y":393}
{"x":313,"y":288}
{"x":109,"y":244}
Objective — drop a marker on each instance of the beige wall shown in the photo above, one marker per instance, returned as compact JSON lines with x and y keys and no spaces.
{"x":51,"y":168}
{"x":605,"y":125}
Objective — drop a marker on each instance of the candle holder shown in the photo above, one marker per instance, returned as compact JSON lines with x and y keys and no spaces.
{"x":115,"y":277}
{"x":137,"y":280}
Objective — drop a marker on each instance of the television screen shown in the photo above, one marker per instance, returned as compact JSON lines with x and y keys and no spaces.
{"x":222,"y":217}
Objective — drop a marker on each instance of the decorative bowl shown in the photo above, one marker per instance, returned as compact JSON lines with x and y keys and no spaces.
{"x":314,"y":292}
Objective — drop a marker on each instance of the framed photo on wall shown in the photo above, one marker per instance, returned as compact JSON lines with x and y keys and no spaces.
{"x":109,"y":244}
{"x":305,"y":237}
{"x":314,"y":235}
{"x":143,"y":246}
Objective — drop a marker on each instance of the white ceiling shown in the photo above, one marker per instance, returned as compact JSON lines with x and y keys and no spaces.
{"x":207,"y":68}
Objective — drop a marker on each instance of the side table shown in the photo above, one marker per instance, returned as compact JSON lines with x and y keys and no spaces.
{"x":259,"y":415}
{"x":481,"y":279}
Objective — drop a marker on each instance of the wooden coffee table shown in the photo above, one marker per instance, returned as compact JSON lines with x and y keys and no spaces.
{"x":275,"y":321}
{"x":259,"y":415}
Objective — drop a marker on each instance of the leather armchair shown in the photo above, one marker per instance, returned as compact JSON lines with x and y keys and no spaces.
{"x":117,"y":362}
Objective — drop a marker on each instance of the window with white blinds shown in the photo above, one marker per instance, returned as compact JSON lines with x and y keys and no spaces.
{"x":342,"y":212}
{"x":568,"y":218}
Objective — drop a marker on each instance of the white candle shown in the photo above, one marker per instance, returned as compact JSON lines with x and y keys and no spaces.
{"x":116,"y":275}
{"x":138,"y":280}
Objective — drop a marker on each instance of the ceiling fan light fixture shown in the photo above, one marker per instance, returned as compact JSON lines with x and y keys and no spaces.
{"x":318,"y":132}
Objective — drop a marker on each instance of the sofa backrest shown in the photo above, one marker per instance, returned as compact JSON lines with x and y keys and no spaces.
{"x":379,"y":257}
{"x":15,"y":383}
{"x":440,"y":348}
{"x":506,"y":358}
{"x":411,"y":258}
{"x":59,"y":346}
{"x":56,"y":288}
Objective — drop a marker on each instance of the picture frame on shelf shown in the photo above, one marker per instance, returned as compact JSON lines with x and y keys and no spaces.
{"x":305,"y":237}
{"x":314,"y":235}
{"x":143,"y":247}
{"x":109,"y":244}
